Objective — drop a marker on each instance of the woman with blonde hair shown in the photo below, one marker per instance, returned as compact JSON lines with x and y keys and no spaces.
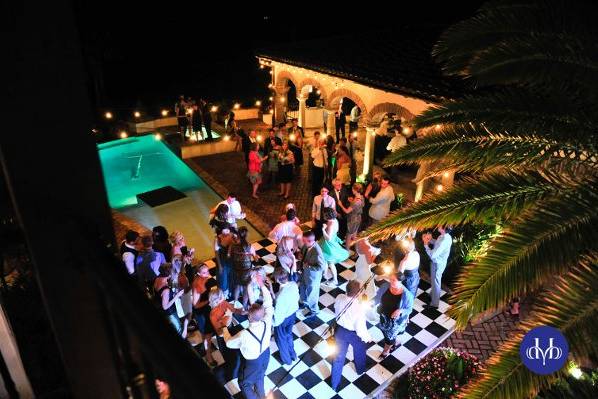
{"x":177,"y":240}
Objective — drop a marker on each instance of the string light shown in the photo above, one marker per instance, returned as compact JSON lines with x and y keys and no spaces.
{"x":258,"y":103}
{"x":406,"y":130}
{"x":437,"y":127}
{"x":439,"y":187}
{"x":237,"y":106}
{"x":259,"y":138}
{"x":262,"y":66}
{"x":158,"y":136}
{"x":164,"y":112}
{"x":270,"y":98}
{"x":123,"y":135}
{"x":282,"y":99}
{"x":108,"y":115}
{"x":214,"y":108}
{"x":137,"y":114}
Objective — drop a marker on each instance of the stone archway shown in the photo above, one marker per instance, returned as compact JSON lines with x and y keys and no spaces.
{"x":283,"y":76}
{"x":336,"y":96}
{"x":315,"y":83}
{"x":386,"y":108}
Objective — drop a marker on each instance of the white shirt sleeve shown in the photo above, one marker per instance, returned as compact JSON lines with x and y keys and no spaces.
{"x":129,"y":260}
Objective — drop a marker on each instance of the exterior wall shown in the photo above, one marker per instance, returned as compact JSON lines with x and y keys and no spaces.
{"x":333,"y":89}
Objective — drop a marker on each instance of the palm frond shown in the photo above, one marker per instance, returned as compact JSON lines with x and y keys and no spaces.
{"x":473,"y":148}
{"x":519,"y":111}
{"x":570,"y":305}
{"x":493,"y":196}
{"x":543,"y":242}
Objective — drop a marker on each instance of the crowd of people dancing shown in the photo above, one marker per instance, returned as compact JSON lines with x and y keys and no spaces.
{"x":273,"y":298}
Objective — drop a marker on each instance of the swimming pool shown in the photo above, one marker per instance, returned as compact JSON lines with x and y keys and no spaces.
{"x":139,"y":164}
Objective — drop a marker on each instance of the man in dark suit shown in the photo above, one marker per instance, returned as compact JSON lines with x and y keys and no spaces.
{"x":340,"y":120}
{"x":340,"y":193}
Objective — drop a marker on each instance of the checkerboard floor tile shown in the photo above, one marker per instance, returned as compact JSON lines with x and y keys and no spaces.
{"x":310,"y":376}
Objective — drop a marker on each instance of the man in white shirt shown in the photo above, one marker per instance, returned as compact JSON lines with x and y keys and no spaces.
{"x":234,"y":209}
{"x":320,"y":202}
{"x":287,"y":303}
{"x":254,"y":344}
{"x":287,"y":235}
{"x":128,"y":250}
{"x":438,"y":257}
{"x":350,"y":330}
{"x":381,"y":202}
{"x":319,"y":157}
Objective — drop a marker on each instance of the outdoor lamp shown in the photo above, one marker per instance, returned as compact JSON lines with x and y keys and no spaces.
{"x":259,"y":138}
{"x":164,"y":112}
{"x":437,"y":127}
{"x":406,"y":130}
{"x":439,"y":187}
{"x":258,"y":103}
{"x":270,"y":98}
{"x":108,"y":115}
{"x":158,"y":136}
{"x":137,"y":114}
{"x":123,"y":135}
{"x":237,"y":106}
{"x":214,"y":108}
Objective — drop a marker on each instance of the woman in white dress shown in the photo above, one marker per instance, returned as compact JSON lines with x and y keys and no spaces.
{"x":366,"y":259}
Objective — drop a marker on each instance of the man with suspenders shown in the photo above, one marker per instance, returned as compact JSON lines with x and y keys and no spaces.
{"x":254,"y":343}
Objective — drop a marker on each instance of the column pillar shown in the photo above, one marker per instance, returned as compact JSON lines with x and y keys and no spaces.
{"x":280,"y":102}
{"x":330,"y":122}
{"x":368,"y":152}
{"x":302,"y":107}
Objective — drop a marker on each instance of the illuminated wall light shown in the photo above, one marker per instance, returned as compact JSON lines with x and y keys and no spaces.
{"x":158,"y":136}
{"x":214,"y":108}
{"x":258,"y":103}
{"x":137,"y":114}
{"x":237,"y":106}
{"x":439,"y":187}
{"x":164,"y":112}
{"x":123,"y":135}
{"x":108,"y":115}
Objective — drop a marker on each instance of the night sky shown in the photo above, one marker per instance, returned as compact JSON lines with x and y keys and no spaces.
{"x":143,"y":55}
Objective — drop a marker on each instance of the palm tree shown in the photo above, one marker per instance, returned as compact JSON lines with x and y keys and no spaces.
{"x":524,"y":137}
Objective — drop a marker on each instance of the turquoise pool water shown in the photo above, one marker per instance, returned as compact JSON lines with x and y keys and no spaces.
{"x":138,"y":164}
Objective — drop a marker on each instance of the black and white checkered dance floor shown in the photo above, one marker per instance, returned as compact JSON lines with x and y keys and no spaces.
{"x":427,"y":328}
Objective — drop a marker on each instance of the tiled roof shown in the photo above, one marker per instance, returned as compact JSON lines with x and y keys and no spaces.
{"x":395,"y":60}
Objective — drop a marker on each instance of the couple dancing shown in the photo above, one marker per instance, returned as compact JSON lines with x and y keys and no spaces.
{"x":334,"y":252}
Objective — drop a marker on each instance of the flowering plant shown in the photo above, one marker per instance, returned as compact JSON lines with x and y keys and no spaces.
{"x":441,"y":373}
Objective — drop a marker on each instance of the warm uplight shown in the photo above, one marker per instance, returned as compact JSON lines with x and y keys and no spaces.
{"x":406,"y":130}
{"x":158,"y":136}
{"x":258,"y":103}
{"x":108,"y":115}
{"x":329,"y":348}
{"x":237,"y":106}
{"x":270,"y":98}
{"x":439,"y":187}
{"x":262,"y":66}
{"x":319,"y":92}
{"x":164,"y":112}
{"x":214,"y":108}
{"x":123,"y":135}
{"x":226,"y":137}
{"x":270,"y":86}
{"x":137,"y":114}
{"x":437,"y":127}
{"x":270,"y":72}
{"x":282,"y":99}
{"x":445,"y":174}
{"x":575,"y":371}
{"x":271,"y":111}
{"x":259,"y":138}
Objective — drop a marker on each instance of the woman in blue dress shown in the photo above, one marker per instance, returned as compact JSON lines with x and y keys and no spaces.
{"x":395,"y":306}
{"x":331,"y":245}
